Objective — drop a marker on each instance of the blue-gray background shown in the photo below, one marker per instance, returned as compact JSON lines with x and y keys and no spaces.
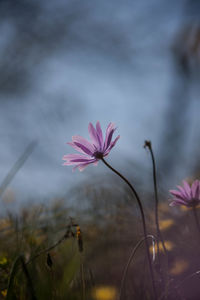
{"x":66,"y":63}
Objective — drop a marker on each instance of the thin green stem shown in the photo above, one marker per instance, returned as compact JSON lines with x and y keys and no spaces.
{"x":68,"y":234}
{"x":14,"y":270}
{"x":19,"y":262}
{"x":143,"y":222}
{"x":82,"y":277}
{"x":29,"y":280}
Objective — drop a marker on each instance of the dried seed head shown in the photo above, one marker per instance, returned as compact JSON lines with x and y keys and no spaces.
{"x":147,"y":144}
{"x":49,"y":261}
{"x":79,"y":239}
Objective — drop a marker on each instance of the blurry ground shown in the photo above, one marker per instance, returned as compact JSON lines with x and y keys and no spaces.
{"x":110,"y":228}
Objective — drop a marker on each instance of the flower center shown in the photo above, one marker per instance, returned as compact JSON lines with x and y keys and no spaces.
{"x":98,"y":155}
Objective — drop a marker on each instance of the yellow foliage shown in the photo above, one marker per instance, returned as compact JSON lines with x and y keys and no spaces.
{"x":5,"y":223}
{"x":166,"y":224}
{"x":3,"y":261}
{"x":4,"y":293}
{"x":186,"y":208}
{"x":179,"y":266}
{"x":163,"y":207}
{"x":104,"y":293}
{"x":168,"y":245}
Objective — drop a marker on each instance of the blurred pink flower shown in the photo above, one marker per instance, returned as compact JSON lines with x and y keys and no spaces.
{"x":186,"y":195}
{"x":91,"y":151}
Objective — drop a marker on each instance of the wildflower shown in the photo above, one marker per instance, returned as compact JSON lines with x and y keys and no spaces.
{"x":91,"y":151}
{"x":186,"y":195}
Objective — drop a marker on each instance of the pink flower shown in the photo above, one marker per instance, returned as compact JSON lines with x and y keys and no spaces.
{"x":186,"y":195}
{"x":91,"y":152}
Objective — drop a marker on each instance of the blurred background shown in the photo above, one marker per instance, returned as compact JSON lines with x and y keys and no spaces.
{"x":65,"y":63}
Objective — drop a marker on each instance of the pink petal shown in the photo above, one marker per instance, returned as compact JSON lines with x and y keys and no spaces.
{"x":80,"y":148}
{"x":109,"y":133}
{"x":83,"y":148}
{"x":82,"y":166}
{"x":78,"y":166}
{"x":93,"y":135}
{"x":177,"y":194}
{"x":68,"y":163}
{"x":198,"y":193}
{"x":112,"y":145}
{"x":195,"y":189}
{"x":172,"y":204}
{"x":183,"y":192}
{"x":77,"y":163}
{"x":80,"y":140}
{"x":187,"y":188}
{"x":74,"y":159}
{"x":83,"y":160}
{"x":70,"y":157}
{"x":177,"y":203}
{"x":100,"y":134}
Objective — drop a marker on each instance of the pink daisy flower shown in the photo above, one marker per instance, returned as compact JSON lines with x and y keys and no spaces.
{"x":92,"y":151}
{"x":186,"y":195}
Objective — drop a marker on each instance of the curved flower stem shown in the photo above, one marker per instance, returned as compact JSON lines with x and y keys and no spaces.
{"x":187,"y":278}
{"x":159,"y":235}
{"x":143,"y":222}
{"x":196,"y":218}
{"x":68,"y":234}
{"x":20,"y":263}
{"x":130,"y":260}
{"x":158,"y":231}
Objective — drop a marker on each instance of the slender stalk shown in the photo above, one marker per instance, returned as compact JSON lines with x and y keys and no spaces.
{"x":178,"y":286}
{"x":29,"y":280}
{"x":196,"y":218}
{"x":143,"y":222}
{"x":19,"y":262}
{"x":159,"y":235}
{"x":158,"y":231}
{"x":67,"y":235}
{"x":16,"y":167}
{"x":129,"y":262}
{"x":10,"y":289}
{"x":82,"y":278}
{"x":197,"y":273}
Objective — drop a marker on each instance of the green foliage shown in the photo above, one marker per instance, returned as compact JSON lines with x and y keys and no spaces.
{"x":38,"y":236}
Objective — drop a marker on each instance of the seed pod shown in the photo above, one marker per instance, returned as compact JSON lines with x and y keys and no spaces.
{"x":49,"y":261}
{"x":79,"y":239}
